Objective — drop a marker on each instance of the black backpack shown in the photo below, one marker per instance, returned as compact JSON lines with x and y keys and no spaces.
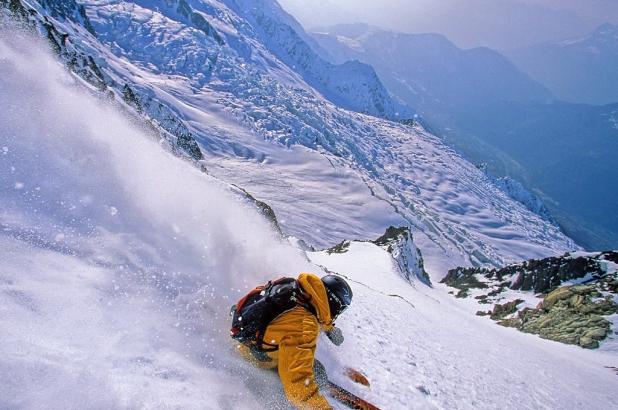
{"x":254,"y":312}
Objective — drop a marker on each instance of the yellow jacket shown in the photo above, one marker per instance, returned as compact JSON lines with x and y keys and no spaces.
{"x":296,"y":333}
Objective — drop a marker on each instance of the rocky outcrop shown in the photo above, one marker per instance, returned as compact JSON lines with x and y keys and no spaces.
{"x":342,"y":247}
{"x":68,"y":9}
{"x":265,"y":210}
{"x":571,"y":315}
{"x":198,"y":20}
{"x":577,"y":293}
{"x":539,"y":276}
{"x":399,"y":242}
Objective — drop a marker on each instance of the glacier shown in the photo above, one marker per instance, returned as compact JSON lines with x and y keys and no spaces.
{"x":407,"y":175}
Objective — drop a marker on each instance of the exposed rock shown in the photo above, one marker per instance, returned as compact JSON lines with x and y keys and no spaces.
{"x":540,"y":276}
{"x":198,"y":20}
{"x":263,"y":207}
{"x":555,"y":296}
{"x":463,"y":279}
{"x":15,"y":7}
{"x":611,"y":256}
{"x":571,"y":315}
{"x":155,"y":115}
{"x":68,"y":9}
{"x":130,"y":98}
{"x":187,"y":143}
{"x":342,"y":247}
{"x":399,"y":243}
{"x":504,"y":310}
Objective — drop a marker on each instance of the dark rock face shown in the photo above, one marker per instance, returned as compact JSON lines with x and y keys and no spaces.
{"x":399,"y":242}
{"x":611,"y":256}
{"x":501,"y":311}
{"x":540,"y":276}
{"x":544,"y":275}
{"x":571,"y":314}
{"x":463,"y":279}
{"x":14,"y":7}
{"x":198,"y":21}
{"x":128,"y":95}
{"x":263,"y":207}
{"x":187,"y":143}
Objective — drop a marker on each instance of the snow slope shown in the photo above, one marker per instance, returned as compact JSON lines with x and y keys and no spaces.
{"x":120,"y":261}
{"x":423,"y":350}
{"x":351,"y":85}
{"x":235,"y":95}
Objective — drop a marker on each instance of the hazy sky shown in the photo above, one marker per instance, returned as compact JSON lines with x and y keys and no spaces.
{"x":499,"y":24}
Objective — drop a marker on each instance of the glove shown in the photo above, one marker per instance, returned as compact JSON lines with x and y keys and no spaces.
{"x":335,"y":335}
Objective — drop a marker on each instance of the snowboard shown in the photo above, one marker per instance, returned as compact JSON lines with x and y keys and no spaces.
{"x":347,"y":398}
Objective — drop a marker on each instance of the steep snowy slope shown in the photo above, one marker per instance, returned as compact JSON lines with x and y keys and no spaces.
{"x":448,"y":358}
{"x":488,"y":109}
{"x":395,"y":174}
{"x":120,"y":261}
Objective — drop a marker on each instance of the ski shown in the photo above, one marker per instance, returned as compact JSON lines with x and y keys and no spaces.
{"x":349,"y":399}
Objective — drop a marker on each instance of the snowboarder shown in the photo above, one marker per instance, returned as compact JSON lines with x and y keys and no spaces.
{"x":278,"y":326}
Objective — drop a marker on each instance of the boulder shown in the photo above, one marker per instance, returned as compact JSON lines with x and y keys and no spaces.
{"x":557,"y":295}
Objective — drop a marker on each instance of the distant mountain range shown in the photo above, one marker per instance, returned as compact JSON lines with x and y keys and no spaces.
{"x":578,"y":70}
{"x":494,"y":113}
{"x":430,"y":72}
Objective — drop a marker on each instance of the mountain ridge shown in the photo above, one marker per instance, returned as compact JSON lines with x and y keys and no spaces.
{"x":591,"y":61}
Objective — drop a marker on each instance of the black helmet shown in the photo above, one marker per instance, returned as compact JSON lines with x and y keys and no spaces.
{"x":339,"y":294}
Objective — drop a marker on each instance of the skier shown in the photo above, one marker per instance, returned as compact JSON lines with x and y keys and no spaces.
{"x":278,"y":326}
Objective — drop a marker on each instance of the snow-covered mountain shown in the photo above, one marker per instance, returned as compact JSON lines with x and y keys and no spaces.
{"x":487,"y":108}
{"x":430,"y":72}
{"x":351,"y":84}
{"x":320,"y":13}
{"x":121,"y":259}
{"x":578,"y":70}
{"x":519,"y":193}
{"x":224,"y":98}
